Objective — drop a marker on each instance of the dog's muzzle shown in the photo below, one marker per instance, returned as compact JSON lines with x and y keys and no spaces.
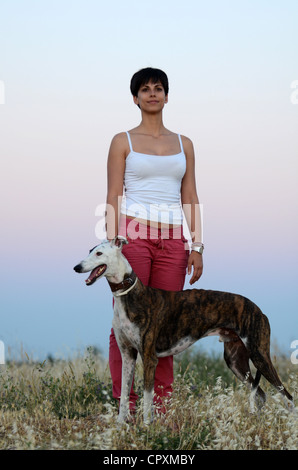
{"x":94,"y":275}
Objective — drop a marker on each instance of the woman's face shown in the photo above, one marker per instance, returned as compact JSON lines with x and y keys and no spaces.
{"x":151,"y":97}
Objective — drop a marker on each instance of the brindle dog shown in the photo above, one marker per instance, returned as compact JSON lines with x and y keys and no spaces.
{"x":159,"y":323}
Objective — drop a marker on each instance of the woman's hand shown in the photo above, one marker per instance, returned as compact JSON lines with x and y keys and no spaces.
{"x":195,"y":260}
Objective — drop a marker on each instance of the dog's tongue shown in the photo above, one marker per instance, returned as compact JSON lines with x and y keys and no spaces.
{"x":92,"y":276}
{"x":95,"y":273}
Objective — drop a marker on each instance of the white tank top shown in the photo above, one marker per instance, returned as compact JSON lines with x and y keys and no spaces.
{"x":152,"y":186}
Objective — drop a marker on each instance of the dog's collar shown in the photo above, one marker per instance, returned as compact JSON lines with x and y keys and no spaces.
{"x":128,"y":283}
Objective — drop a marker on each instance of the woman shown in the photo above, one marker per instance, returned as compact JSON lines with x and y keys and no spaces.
{"x":157,"y":167}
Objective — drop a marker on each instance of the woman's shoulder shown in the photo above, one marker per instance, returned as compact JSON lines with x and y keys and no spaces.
{"x":186,"y":139}
{"x":120,"y":137}
{"x":119,"y":141}
{"x":187,"y":144}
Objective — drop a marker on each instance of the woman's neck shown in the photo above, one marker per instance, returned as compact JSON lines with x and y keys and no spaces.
{"x":152,"y":125}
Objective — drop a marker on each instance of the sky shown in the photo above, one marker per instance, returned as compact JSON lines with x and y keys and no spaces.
{"x":65,"y":68}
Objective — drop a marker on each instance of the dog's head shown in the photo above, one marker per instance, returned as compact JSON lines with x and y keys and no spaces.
{"x":103,"y":260}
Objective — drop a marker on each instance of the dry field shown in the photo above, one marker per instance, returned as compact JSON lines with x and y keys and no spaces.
{"x":68,"y":405}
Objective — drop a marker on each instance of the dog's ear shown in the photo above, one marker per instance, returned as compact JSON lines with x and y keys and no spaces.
{"x":92,"y":249}
{"x":119,"y":241}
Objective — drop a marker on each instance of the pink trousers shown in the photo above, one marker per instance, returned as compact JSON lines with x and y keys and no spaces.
{"x":159,"y":258}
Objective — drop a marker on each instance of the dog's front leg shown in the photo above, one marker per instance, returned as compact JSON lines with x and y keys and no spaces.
{"x":148,"y":405}
{"x":128,"y":367}
{"x":150,"y":363}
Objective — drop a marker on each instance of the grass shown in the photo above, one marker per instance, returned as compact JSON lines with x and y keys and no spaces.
{"x":68,"y":405}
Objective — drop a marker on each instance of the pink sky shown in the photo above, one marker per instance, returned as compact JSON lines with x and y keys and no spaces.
{"x":230,"y":92}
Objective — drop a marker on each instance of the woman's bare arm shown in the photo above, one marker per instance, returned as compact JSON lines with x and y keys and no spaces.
{"x":191,"y":208}
{"x":115,"y":174}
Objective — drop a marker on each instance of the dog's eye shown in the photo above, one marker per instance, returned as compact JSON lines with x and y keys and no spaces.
{"x":98,"y":253}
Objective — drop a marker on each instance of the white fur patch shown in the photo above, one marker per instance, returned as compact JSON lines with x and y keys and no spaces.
{"x":123,"y":324}
{"x":148,"y":405}
{"x":182,"y":344}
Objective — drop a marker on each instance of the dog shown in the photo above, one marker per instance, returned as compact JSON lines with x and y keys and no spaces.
{"x":158,"y":323}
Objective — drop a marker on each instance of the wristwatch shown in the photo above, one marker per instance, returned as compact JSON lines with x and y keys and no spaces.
{"x":198,"y":249}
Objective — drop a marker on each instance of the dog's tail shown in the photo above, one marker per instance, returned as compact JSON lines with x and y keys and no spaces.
{"x":258,"y":343}
{"x":260,"y":356}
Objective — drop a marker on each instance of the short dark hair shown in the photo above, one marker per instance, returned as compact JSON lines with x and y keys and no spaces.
{"x":144,"y":76}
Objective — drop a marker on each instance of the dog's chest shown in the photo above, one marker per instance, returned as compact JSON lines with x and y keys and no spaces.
{"x":124,"y":326}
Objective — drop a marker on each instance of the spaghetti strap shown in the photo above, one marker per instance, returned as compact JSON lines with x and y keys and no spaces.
{"x":129,"y":141}
{"x":181,"y":145}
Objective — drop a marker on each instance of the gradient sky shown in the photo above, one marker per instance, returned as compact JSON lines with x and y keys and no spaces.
{"x":66,"y":67}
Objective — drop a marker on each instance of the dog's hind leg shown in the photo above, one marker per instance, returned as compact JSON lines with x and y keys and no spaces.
{"x":128,"y":366}
{"x":237,"y":359}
